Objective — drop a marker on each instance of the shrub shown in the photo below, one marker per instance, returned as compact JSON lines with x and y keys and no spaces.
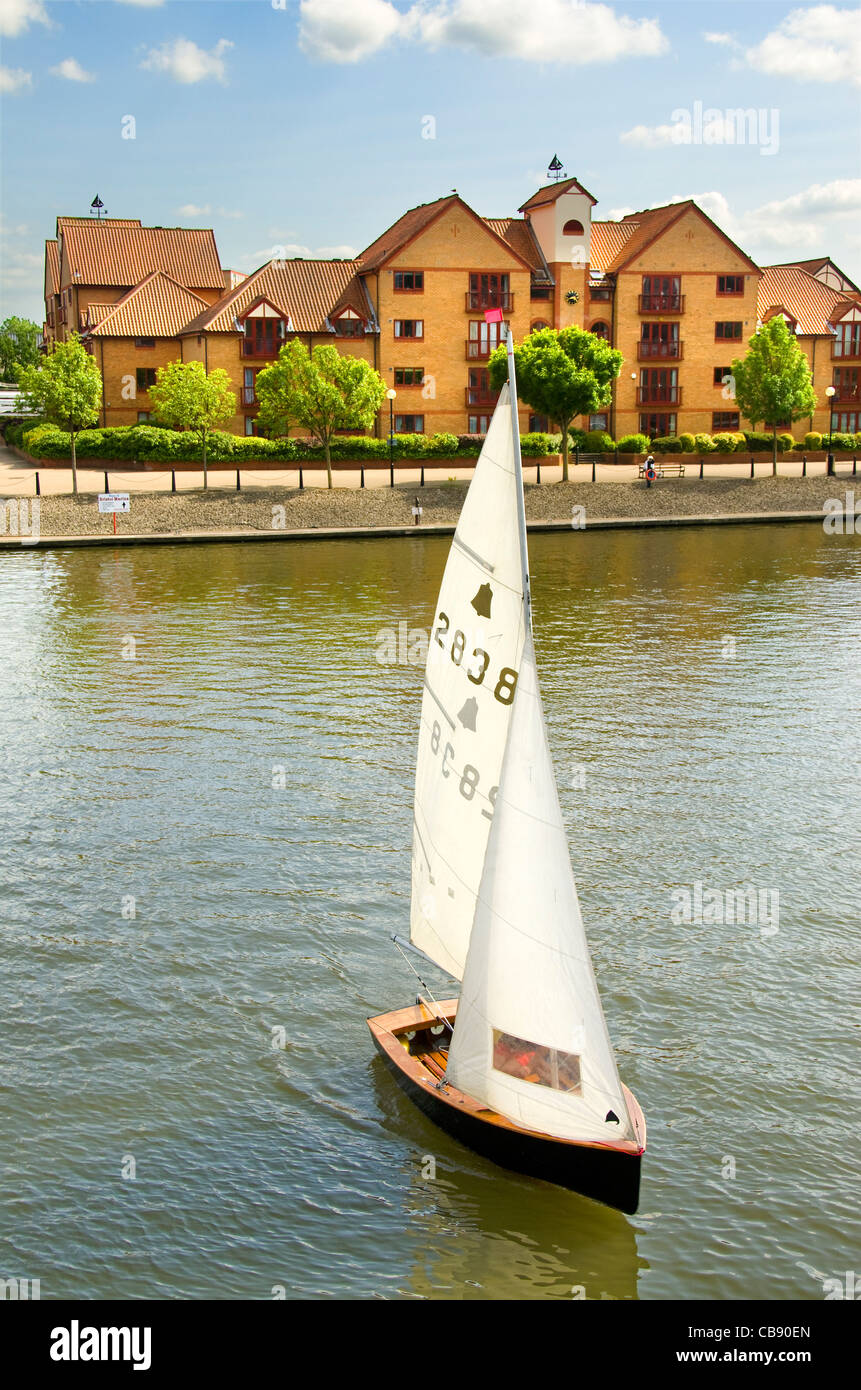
{"x":536,"y":445}
{"x":46,"y":441}
{"x":845,"y":442}
{"x":688,"y":443}
{"x":633,"y":444}
{"x":757,"y":442}
{"x":704,"y":444}
{"x":785,"y":443}
{"x":724,"y":443}
{"x":597,"y":442}
{"x":669,"y":444}
{"x":812,"y":440}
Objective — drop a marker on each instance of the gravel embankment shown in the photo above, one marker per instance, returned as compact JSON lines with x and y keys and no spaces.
{"x":313,"y":508}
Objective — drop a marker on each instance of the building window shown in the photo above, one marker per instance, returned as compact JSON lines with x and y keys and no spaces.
{"x":410,"y":280}
{"x":660,"y":340}
{"x":144,"y":342}
{"x":847,"y":422}
{"x":540,"y":291}
{"x":479,"y":391}
{"x":848,"y":340}
{"x":660,"y":384}
{"x":144,"y":417}
{"x":598,"y":422}
{"x":538,"y":424}
{"x":724,"y":420}
{"x":601,"y":330}
{"x":409,"y":376}
{"x":409,"y":424}
{"x":845,"y":382}
{"x":661,"y":293}
{"x":725,"y":331}
{"x":409,"y":328}
{"x":720,"y":375}
{"x":658,"y":426}
{"x":346,"y":327}
{"x":263,"y":337}
{"x":730,"y":284}
{"x":145,"y":378}
{"x":538,"y":324}
{"x":484,"y":338}
{"x":573,"y":228}
{"x":479,"y":424}
{"x":490,"y":291}
{"x":599,"y":292}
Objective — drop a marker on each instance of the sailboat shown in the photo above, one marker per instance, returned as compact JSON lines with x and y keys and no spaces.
{"x":520,"y":1068}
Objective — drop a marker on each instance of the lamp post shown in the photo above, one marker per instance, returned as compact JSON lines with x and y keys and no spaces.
{"x":830,"y":393}
{"x":391,"y":393}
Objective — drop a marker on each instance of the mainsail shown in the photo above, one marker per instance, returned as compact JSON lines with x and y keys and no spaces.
{"x":494,"y":900}
{"x":470,"y":681}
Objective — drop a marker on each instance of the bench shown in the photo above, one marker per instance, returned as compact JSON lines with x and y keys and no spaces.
{"x":664,"y":470}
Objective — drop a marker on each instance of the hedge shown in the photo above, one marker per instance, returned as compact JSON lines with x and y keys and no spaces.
{"x":633,"y":444}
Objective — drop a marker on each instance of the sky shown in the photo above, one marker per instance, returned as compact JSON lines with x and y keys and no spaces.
{"x":306,"y":127}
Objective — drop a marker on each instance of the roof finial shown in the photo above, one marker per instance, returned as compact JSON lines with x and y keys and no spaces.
{"x":97,"y":207}
{"x":555,"y":172}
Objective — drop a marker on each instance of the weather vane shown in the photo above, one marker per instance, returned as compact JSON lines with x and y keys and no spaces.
{"x":555,"y":170}
{"x":97,"y":207}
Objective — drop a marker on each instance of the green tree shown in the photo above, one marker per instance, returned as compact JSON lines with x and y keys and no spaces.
{"x":273,"y":387}
{"x":66,"y":389}
{"x":322,"y":391}
{"x":19,"y":347}
{"x":186,"y":398}
{"x":772,"y":382}
{"x":561,"y":373}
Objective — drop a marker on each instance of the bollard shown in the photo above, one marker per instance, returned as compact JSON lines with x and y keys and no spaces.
{"x":593,"y":470}
{"x":238,"y":488}
{"x":38,"y":493}
{"x":538,"y":474}
{"x":361,"y":475}
{"x":751,"y":465}
{"x":422,"y":482}
{"x":107,"y":489}
{"x":804,"y":465}
{"x":391,"y":475}
{"x":301,"y":479}
{"x":853,"y":465}
{"x":576,"y":454}
{"x":173,"y":480}
{"x":701,"y":468}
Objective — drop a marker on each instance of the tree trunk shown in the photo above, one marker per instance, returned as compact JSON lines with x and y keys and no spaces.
{"x":205,"y":474}
{"x":72,"y":434}
{"x":328,"y":464}
{"x":774,"y":451}
{"x":565,"y":451}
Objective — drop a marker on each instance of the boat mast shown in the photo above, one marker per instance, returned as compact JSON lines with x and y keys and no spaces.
{"x":518,"y":471}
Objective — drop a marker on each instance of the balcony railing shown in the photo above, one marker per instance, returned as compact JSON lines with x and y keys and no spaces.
{"x":248,"y":396}
{"x":659,"y":395}
{"x":647,"y":350}
{"x":846,"y":393}
{"x":846,"y":348}
{"x":252,"y":349}
{"x":478,"y":350}
{"x":475,"y":395}
{"x":661,"y":303}
{"x":489,"y":299}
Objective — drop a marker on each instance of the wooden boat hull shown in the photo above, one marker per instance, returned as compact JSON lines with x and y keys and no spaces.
{"x":608,"y":1173}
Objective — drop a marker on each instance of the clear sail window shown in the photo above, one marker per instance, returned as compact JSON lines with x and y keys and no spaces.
{"x":528,"y":1061}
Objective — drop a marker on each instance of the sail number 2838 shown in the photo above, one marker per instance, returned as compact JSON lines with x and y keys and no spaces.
{"x":505,"y":686}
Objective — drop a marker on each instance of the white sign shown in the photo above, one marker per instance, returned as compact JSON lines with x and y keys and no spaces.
{"x":113,"y":502}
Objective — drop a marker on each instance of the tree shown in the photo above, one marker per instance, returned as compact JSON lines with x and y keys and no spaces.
{"x":19,"y":347}
{"x":273,"y":387}
{"x":772,"y":382}
{"x":322,"y":391}
{"x":66,"y":389}
{"x":561,"y":373}
{"x":186,"y":398}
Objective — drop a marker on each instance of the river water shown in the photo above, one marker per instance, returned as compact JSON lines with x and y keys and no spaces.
{"x":206,"y":798}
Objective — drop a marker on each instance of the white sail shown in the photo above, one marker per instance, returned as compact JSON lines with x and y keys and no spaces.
{"x":471,"y":676}
{"x":530,"y":1040}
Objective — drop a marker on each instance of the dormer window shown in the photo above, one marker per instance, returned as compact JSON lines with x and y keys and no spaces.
{"x":573,"y":228}
{"x":349,"y":325}
{"x":265,"y":329}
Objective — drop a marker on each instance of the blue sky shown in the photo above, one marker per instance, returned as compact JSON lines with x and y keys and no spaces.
{"x":300,"y":126}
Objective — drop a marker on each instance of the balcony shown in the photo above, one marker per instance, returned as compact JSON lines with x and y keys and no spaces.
{"x":476,"y":396}
{"x":647,"y":351}
{"x":659,"y":395}
{"x":846,"y":348}
{"x":252,"y":349}
{"x":478,"y":350}
{"x":489,"y":299}
{"x":248,"y":396}
{"x":846,"y":395}
{"x":661,"y":303}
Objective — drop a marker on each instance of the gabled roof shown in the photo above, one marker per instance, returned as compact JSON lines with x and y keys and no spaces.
{"x":518,"y":234}
{"x":120,"y":252}
{"x":159,"y":307}
{"x":408,"y":227}
{"x":52,"y":266}
{"x":551,"y":191}
{"x":306,"y":292}
{"x":820,"y":264}
{"x":645,"y":228}
{"x":791,"y":290}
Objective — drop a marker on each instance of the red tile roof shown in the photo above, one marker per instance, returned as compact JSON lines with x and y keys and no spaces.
{"x":52,"y":266}
{"x":518,"y":234}
{"x":117,"y":252}
{"x":608,"y":239}
{"x":804,"y":298}
{"x":551,"y":191}
{"x":307,"y":292}
{"x":402,"y":231}
{"x":159,"y":307}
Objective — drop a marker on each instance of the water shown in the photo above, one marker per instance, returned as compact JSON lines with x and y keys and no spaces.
{"x":246,"y":779}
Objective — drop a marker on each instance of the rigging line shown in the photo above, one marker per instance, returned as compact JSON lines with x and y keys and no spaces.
{"x":426,"y":989}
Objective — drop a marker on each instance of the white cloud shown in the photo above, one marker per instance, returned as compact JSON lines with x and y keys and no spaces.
{"x":820,"y":44}
{"x":804,"y":221}
{"x":142,"y":4}
{"x":71,"y":69}
{"x":230,"y":212}
{"x":279,"y":251}
{"x":616,"y":214}
{"x":649,"y":137}
{"x":13,"y":79}
{"x":544,"y":31}
{"x":17,"y":15}
{"x":839,"y":196}
{"x":192,"y":210}
{"x":182,"y":60}
{"x":726,"y":40}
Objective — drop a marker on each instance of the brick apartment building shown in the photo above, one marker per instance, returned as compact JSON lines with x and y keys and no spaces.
{"x":666,"y":286}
